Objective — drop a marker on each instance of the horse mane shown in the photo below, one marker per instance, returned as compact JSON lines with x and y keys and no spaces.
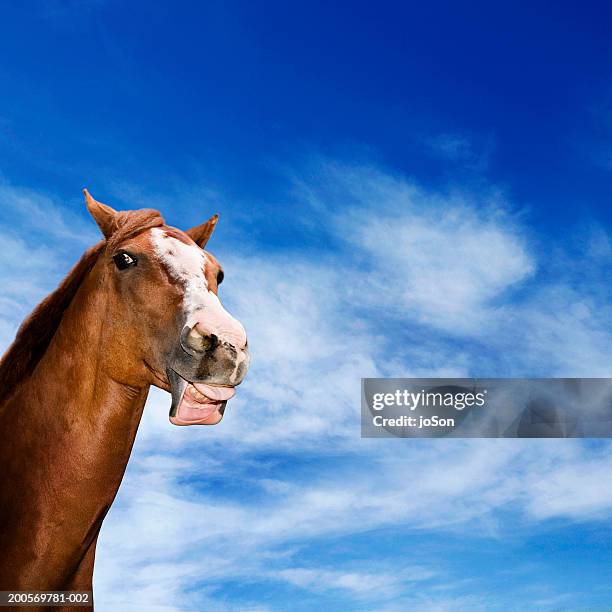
{"x":37,"y":330}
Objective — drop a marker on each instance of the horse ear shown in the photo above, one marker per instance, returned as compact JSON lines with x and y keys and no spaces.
{"x":103,"y":215}
{"x":201,"y":233}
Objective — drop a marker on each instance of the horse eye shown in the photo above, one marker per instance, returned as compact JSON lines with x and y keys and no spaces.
{"x":220,"y":277}
{"x":124,"y":260}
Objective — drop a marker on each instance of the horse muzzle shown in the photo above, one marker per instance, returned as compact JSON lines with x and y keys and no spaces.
{"x":203,"y":374}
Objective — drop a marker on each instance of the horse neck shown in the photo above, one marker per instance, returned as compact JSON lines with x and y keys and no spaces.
{"x":69,"y":433}
{"x":70,"y":394}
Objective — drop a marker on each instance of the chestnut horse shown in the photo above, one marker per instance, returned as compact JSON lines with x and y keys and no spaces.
{"x":140,"y":308}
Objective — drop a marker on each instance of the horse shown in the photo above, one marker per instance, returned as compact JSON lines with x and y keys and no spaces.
{"x":140,"y":308}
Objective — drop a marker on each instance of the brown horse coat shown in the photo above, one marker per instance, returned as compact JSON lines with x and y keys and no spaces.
{"x":74,"y":383}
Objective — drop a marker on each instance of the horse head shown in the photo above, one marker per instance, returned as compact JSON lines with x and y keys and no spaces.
{"x":163,"y":318}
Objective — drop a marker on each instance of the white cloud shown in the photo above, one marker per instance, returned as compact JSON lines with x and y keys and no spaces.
{"x":572,"y":489}
{"x":38,"y":212}
{"x":40,"y":241}
{"x":25,"y":280}
{"x":404,"y":260}
{"x":358,"y":584}
{"x":442,"y":268}
{"x":434,"y":259}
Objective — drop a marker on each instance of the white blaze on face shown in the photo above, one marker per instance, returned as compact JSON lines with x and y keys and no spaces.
{"x":186,"y":264}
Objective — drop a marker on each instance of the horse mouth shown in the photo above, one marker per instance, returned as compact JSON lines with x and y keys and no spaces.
{"x":197,"y":403}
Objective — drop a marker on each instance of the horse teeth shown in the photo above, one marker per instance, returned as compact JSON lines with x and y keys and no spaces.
{"x":196,"y":395}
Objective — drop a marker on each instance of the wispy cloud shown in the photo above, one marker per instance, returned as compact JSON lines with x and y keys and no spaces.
{"x":43,"y":216}
{"x":41,"y":239}
{"x":410,"y":281}
{"x":461,"y":149}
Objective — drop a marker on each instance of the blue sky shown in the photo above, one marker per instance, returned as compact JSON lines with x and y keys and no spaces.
{"x":403,"y":190}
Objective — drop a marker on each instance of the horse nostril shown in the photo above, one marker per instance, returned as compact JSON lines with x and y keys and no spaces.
{"x":194,"y":340}
{"x":213,"y":342}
